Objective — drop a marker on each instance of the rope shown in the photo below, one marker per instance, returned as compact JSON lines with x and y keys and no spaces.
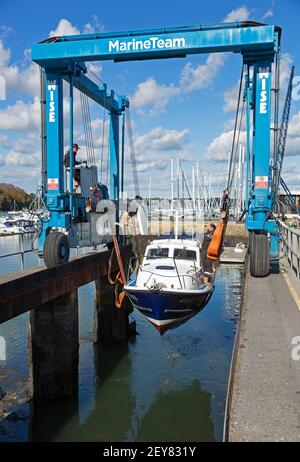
{"x":120,"y":278}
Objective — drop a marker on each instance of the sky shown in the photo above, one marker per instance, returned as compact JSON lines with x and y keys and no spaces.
{"x":182,"y":107}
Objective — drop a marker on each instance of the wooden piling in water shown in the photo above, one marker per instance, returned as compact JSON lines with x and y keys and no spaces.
{"x":54,"y":348}
{"x":111,"y":324}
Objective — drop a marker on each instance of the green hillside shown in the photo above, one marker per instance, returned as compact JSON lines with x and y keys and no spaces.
{"x":11,"y":196}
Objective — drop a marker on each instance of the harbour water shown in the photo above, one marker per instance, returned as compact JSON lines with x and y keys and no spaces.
{"x":169,"y":388}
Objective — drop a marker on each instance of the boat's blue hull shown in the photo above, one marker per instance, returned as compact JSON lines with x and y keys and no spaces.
{"x":166,"y":309}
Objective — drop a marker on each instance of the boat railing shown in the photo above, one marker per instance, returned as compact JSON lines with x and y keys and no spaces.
{"x":136,"y":264}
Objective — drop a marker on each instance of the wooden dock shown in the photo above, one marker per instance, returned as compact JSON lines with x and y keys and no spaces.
{"x":264,"y":403}
{"x":230,"y":256}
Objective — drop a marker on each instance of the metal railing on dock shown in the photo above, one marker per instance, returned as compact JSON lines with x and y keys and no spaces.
{"x":291,"y":247}
{"x":22,"y":252}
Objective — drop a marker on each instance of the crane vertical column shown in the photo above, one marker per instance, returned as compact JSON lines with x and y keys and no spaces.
{"x":114,"y":181}
{"x":54,"y":124}
{"x":260,"y":198}
{"x":114,"y":156}
{"x":55,"y":194}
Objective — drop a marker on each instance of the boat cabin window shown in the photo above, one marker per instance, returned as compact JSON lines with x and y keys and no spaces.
{"x":158,"y":252}
{"x":185,"y":254}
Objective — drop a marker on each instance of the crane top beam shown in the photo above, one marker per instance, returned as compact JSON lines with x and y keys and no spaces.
{"x":110,"y":101}
{"x":241,"y":37}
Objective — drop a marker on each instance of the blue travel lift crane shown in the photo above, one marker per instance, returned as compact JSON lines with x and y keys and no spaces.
{"x":65,"y":57}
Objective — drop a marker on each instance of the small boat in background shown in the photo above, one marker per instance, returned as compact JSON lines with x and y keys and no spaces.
{"x":17,"y":222}
{"x":168,"y":287}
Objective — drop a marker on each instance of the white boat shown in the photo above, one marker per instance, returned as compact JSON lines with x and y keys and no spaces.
{"x":10,"y":227}
{"x":168,"y":286}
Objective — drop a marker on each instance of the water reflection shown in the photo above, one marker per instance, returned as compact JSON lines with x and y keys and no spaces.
{"x":191,"y":404}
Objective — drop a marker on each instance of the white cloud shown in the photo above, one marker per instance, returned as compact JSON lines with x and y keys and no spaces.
{"x":239,"y":14}
{"x":293,"y":146}
{"x":153,"y":151}
{"x":153,"y":96}
{"x":201,"y":76}
{"x":21,"y":116}
{"x":95,"y":26}
{"x":161,"y":139}
{"x":24,"y":153}
{"x":218,"y":149}
{"x":4,"y":54}
{"x":95,"y":68}
{"x":5,"y":31}
{"x":64,"y":27}
{"x":18,"y":79}
{"x":231,"y":98}
{"x":168,"y":140}
{"x":294,"y":125}
{"x":293,"y":138}
{"x":268,"y":14}
{"x":286,"y":62}
{"x":97,"y":131}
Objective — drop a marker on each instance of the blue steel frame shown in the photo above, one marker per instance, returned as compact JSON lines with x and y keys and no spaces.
{"x":258,"y":45}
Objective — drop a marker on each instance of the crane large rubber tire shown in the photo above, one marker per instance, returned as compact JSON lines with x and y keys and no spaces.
{"x":259,"y":249}
{"x":56,"y":249}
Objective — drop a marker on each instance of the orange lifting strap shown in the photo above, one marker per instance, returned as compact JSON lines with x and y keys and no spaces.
{"x":215,"y":246}
{"x":216,"y":243}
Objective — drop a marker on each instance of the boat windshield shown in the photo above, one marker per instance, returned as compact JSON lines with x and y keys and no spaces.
{"x":185,"y":254}
{"x":158,"y":252}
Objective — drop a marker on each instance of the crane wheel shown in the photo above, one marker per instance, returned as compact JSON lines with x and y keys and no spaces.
{"x":259,"y":249}
{"x":56,"y":249}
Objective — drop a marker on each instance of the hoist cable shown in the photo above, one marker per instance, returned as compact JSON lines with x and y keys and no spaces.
{"x":92,"y":149}
{"x":108,"y":156}
{"x":84,"y":124}
{"x":237,"y":145}
{"x":229,"y":180}
{"x":89,"y":137}
{"x":132,"y":152}
{"x":87,"y":125}
{"x":102,"y":144}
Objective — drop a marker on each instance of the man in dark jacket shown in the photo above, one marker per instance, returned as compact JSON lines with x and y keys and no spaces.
{"x":67,"y":157}
{"x":76,"y":173}
{"x":207,"y":264}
